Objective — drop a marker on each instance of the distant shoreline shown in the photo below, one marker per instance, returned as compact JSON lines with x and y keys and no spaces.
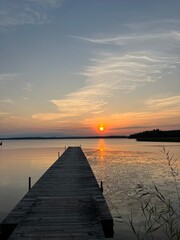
{"x":96,"y":137}
{"x":49,"y":138}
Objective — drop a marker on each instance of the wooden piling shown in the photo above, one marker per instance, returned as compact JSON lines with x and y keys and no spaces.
{"x":101,"y":186}
{"x":29,"y":183}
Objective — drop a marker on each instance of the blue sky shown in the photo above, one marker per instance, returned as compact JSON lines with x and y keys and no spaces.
{"x":68,"y":66}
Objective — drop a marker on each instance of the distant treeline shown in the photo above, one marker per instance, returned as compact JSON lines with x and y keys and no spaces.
{"x":157,"y":135}
{"x":76,"y":137}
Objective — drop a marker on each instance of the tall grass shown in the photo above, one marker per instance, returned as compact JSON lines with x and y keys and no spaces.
{"x":160,"y":216}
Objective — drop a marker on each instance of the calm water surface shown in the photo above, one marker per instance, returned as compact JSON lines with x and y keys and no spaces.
{"x":120,"y":163}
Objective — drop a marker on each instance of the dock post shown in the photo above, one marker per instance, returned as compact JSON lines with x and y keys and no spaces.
{"x":58,"y":154}
{"x":101,"y":186}
{"x":29,"y":183}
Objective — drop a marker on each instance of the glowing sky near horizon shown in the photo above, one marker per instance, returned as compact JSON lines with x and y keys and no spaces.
{"x":68,"y":66}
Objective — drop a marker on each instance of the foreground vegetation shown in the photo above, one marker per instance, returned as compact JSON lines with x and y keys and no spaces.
{"x":160,"y":215}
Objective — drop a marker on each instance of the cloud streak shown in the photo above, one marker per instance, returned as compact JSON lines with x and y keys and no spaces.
{"x":10,"y":76}
{"x":8,"y":100}
{"x":172,"y":102}
{"x":129,"y":70}
{"x":87,"y":100}
{"x":26,"y":12}
{"x":123,"y":40}
{"x":28,"y":87}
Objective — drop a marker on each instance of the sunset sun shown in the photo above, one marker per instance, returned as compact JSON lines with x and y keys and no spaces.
{"x":101,"y":128}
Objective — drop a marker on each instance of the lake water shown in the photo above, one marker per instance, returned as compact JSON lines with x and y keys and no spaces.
{"x":121,"y":164}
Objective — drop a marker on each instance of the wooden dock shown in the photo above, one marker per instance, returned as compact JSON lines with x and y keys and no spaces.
{"x":65,"y":203}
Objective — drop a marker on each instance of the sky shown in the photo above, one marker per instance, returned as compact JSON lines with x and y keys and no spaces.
{"x":70,"y":66}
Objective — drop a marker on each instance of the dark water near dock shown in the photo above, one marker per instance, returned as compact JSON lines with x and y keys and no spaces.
{"x":120,"y":163}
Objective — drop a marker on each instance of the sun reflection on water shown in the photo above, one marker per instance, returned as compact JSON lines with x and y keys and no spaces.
{"x":101,"y":149}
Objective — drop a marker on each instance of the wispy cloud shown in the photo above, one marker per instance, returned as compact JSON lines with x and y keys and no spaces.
{"x":3,"y":113}
{"x":28,"y":87}
{"x":8,"y":100}
{"x":4,"y":116}
{"x":128,"y":71}
{"x":25,"y":98}
{"x":87,"y":100}
{"x":10,"y":76}
{"x":126,"y":39}
{"x":26,"y":12}
{"x":172,"y":102}
{"x":48,"y":4}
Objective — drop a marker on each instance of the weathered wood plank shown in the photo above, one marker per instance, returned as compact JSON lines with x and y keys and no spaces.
{"x":75,"y":217}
